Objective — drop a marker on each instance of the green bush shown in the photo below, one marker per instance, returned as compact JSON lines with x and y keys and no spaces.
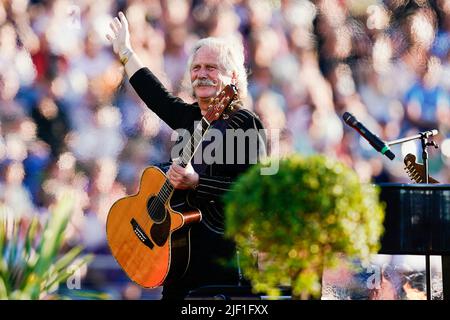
{"x":299,"y":220}
{"x":32,"y":264}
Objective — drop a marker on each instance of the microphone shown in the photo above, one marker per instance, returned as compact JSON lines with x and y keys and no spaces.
{"x":374,"y":140}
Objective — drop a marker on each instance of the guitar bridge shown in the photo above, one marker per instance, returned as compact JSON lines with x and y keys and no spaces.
{"x":139,"y":232}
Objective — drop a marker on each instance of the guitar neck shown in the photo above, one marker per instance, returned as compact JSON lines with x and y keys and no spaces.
{"x":194,"y":142}
{"x":186,"y":156}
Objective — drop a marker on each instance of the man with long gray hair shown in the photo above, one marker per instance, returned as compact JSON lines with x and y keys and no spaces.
{"x":213,"y":65}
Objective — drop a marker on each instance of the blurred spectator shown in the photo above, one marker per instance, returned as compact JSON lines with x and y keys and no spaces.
{"x":428,"y":104}
{"x":68,"y":119}
{"x":12,"y":191}
{"x":52,"y":124}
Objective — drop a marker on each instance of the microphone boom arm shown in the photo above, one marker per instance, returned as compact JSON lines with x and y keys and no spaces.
{"x":425,"y":134}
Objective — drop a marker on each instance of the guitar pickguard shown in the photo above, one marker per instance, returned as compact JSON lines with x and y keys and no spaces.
{"x":160,"y":232}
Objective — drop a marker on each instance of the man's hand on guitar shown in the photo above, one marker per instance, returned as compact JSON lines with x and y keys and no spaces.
{"x":182,"y":178}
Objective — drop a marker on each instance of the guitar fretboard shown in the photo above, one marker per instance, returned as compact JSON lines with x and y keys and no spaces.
{"x":186,"y":156}
{"x":193,"y":143}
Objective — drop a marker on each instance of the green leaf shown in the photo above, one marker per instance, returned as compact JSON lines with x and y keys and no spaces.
{"x":3,"y":289}
{"x":53,"y":234}
{"x":67,"y":258}
{"x":62,"y":274}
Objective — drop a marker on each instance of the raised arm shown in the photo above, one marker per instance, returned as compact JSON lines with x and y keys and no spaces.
{"x":120,"y":41}
{"x":172,"y":110}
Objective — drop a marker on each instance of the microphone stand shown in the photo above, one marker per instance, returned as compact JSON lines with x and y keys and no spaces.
{"x":423,"y":136}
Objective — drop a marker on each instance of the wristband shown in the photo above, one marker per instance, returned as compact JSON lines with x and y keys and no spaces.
{"x":125,"y":56}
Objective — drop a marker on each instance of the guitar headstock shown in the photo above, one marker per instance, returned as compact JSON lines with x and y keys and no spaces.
{"x":220,"y":103}
{"x":416,"y":171}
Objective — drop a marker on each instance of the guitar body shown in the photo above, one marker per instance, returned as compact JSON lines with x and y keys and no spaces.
{"x":149,"y":239}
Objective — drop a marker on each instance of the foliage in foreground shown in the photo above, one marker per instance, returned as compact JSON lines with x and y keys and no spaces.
{"x":298,"y":221}
{"x":32,"y":265}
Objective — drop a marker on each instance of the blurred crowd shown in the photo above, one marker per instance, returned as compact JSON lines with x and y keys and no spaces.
{"x":69,"y":120}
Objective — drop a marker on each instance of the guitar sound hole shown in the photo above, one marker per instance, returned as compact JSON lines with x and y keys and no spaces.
{"x":156,"y":209}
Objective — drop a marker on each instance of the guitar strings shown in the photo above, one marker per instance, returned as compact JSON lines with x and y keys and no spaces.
{"x":158,"y":202}
{"x":166,"y":190}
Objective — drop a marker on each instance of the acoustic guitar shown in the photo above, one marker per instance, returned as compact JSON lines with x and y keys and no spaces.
{"x":146,"y":235}
{"x":416,"y":171}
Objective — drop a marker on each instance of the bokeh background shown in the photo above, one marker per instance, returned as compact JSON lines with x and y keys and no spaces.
{"x":70,"y":121}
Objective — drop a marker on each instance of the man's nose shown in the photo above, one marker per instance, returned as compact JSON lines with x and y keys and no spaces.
{"x":202,"y":73}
